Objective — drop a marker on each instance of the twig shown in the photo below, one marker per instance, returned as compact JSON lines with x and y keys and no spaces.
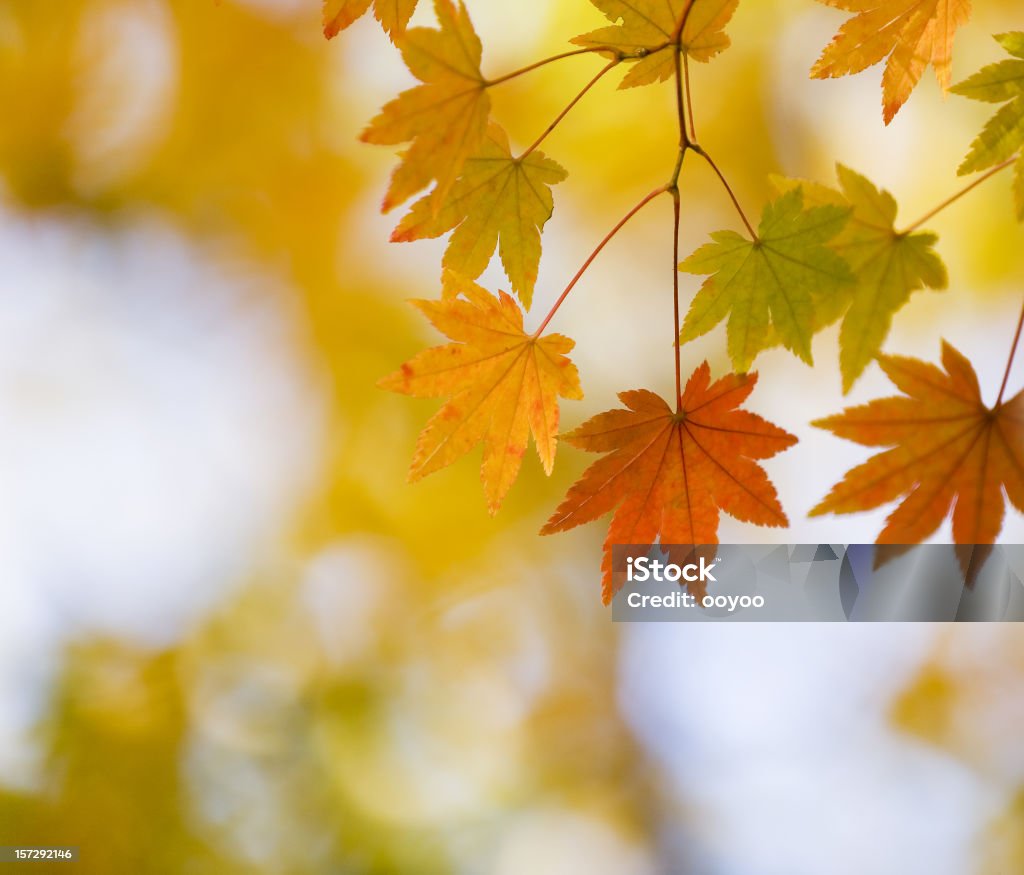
{"x":611,"y":65}
{"x":1009,"y":363}
{"x":728,"y":188}
{"x":931,"y":214}
{"x":536,"y":65}
{"x":607,"y":239}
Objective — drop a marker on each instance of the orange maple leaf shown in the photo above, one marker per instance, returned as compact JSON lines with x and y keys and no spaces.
{"x":910,"y":33}
{"x":393,"y":15}
{"x":947,"y":450}
{"x":504,"y":385}
{"x":445,"y":118}
{"x":670,"y":473}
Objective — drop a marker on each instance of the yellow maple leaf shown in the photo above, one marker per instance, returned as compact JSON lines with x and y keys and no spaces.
{"x":909,"y":33}
{"x":445,"y":118}
{"x":651,"y":27}
{"x":393,"y":15}
{"x":504,"y":385}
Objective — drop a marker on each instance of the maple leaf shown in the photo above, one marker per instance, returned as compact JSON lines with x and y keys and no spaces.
{"x":445,"y":118}
{"x":776,"y":287}
{"x":393,"y":15}
{"x":647,"y":26}
{"x":498,"y":201}
{"x":504,"y":384}
{"x":947,"y":449}
{"x":888,"y":265}
{"x":669,"y":474}
{"x":910,"y":33}
{"x":1003,"y":135}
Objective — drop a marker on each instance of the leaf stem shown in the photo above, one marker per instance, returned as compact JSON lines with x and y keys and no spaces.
{"x":676,"y":208}
{"x":536,"y":65}
{"x":685,"y":144}
{"x":677,"y":37}
{"x":931,"y":214}
{"x":593,"y":255}
{"x":689,"y":98}
{"x":611,"y":65}
{"x":586,"y":50}
{"x":1009,"y":363}
{"x":732,"y":195}
{"x":684,"y":138}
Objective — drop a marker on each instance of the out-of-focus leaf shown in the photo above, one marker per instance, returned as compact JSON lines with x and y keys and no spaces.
{"x":888,"y":265}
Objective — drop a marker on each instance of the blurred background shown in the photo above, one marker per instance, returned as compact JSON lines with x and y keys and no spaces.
{"x":233,"y":639}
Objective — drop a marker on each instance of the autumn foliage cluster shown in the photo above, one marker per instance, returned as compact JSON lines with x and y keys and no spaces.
{"x":819,"y":253}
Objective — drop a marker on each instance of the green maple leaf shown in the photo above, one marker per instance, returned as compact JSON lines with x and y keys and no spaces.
{"x":775,"y":288}
{"x":499,"y":201}
{"x":648,"y":26}
{"x":1003,"y":135}
{"x":888,"y":264}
